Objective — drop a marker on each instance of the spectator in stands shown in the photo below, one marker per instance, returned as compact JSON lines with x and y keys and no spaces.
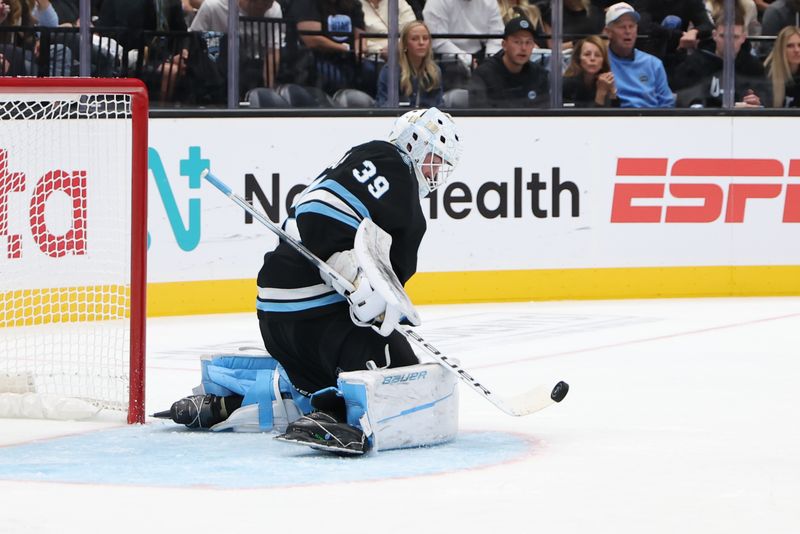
{"x":375,"y":49}
{"x":331,"y":65}
{"x":673,"y":27}
{"x":260,"y":44}
{"x":190,"y":8}
{"x":580,"y":19}
{"x":420,"y":76}
{"x":699,"y":78}
{"x":44,"y":14}
{"x":520,"y":8}
{"x":749,"y":13}
{"x":15,"y":13}
{"x":22,"y":50}
{"x":746,"y":7}
{"x":783,"y":68}
{"x":212,"y":15}
{"x":376,"y":20}
{"x":59,"y":54}
{"x":157,"y":60}
{"x":12,"y":57}
{"x":135,"y":17}
{"x":18,"y":47}
{"x":481,"y":17}
{"x":640,"y":77}
{"x":510,"y":9}
{"x":68,"y":11}
{"x":27,"y":13}
{"x":588,"y":80}
{"x":779,"y":14}
{"x":509,"y":79}
{"x":106,"y":54}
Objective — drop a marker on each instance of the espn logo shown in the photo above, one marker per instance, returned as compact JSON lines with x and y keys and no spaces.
{"x":660,"y":200}
{"x":72,"y":184}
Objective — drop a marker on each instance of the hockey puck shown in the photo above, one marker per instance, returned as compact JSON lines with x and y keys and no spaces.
{"x":560,"y":391}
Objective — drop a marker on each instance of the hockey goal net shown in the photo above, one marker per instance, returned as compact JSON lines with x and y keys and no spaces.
{"x":73,"y":238}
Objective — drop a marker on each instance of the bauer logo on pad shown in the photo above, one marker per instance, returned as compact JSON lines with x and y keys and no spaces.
{"x":407,"y":377}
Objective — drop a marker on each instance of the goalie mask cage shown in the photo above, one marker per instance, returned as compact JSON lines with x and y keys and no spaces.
{"x":73,"y":239}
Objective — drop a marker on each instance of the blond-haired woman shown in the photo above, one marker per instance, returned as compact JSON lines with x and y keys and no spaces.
{"x":783,"y":68}
{"x":515,"y":8}
{"x":588,"y":80}
{"x":420,"y":76}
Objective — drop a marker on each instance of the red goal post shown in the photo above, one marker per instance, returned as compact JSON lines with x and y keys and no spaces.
{"x":73,"y":240}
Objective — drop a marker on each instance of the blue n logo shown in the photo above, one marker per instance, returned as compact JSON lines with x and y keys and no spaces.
{"x":187,"y":236}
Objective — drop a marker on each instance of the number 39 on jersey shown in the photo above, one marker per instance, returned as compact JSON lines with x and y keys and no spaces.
{"x":376,"y":185}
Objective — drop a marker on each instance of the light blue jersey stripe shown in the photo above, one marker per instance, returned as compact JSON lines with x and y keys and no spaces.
{"x":324,"y":209}
{"x":344,"y":194}
{"x":416,"y":408}
{"x":274,"y":306}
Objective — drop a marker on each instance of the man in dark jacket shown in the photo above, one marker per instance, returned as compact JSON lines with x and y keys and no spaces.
{"x":698,"y":80}
{"x":508,"y":79}
{"x":672,"y":27}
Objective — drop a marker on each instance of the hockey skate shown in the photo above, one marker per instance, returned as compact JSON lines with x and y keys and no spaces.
{"x":196,"y":411}
{"x":321,"y":431}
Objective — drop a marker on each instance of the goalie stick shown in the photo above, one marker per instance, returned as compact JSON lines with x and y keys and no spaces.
{"x":526,"y":403}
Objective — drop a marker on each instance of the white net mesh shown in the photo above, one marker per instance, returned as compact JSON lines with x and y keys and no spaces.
{"x":65,"y":219}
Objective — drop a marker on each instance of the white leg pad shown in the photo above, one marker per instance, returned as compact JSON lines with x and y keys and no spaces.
{"x":405,"y":407}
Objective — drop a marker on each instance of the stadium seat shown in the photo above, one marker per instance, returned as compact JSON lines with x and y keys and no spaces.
{"x":264,"y":97}
{"x":323,"y":99}
{"x":353,"y":98}
{"x":297,"y":96}
{"x":456,"y":98}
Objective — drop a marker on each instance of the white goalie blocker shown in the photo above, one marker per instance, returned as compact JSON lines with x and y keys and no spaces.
{"x":372,"y":246}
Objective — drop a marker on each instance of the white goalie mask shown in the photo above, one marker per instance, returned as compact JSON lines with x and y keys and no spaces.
{"x":429,"y":137}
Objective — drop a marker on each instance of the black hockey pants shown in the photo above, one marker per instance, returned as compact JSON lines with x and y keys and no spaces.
{"x":314,"y":351}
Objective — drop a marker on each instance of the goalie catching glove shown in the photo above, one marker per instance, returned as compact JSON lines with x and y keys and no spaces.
{"x":367,"y":306}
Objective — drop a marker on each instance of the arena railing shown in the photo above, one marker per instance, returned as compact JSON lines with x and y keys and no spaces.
{"x":190,"y":69}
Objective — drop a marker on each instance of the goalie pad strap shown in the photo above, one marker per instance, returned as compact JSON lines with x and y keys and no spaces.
{"x":262,"y":393}
{"x":270,"y":400}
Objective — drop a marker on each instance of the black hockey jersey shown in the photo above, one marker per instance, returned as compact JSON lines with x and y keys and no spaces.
{"x":375,"y":180}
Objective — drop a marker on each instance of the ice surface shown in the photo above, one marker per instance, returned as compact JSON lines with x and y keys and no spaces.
{"x":681,"y":417}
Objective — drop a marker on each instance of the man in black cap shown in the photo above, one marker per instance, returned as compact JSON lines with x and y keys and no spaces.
{"x":509,"y":79}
